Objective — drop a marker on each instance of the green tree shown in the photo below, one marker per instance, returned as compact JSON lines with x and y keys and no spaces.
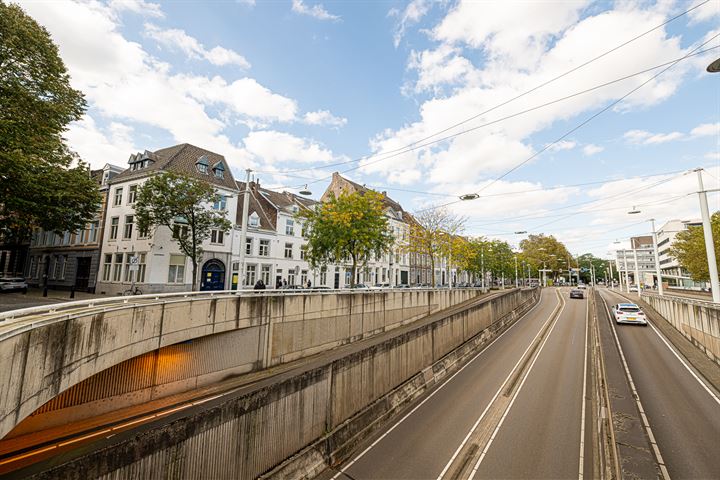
{"x":431,"y":234}
{"x":539,"y":250}
{"x":689,"y":249}
{"x":180,"y":203}
{"x":585,"y":260}
{"x":352,"y":226}
{"x":42,"y":183}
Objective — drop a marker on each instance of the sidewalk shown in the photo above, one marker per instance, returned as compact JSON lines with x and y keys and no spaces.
{"x":34,"y":297}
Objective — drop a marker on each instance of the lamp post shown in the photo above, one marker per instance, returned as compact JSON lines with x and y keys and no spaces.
{"x":707,"y":231}
{"x":243,"y":230}
{"x":516,"y":272}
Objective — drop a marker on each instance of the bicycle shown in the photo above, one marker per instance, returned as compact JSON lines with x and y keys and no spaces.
{"x":132,"y":291}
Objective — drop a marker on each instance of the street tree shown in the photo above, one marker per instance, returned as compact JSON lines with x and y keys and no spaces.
{"x":42,"y":183}
{"x":181,"y":203}
{"x":431,"y":234}
{"x":689,"y":249}
{"x":541,"y":250}
{"x":585,"y":261}
{"x":352,"y":226}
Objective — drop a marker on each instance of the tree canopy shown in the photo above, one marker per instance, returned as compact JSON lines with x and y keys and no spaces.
{"x":182,"y":204}
{"x":689,"y":249}
{"x":434,"y":233}
{"x":42,"y":183}
{"x":351,"y":227}
{"x":537,"y":249}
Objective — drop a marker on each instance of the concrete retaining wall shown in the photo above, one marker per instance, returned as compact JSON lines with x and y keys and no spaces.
{"x":311,"y":418}
{"x":699,"y":321}
{"x":41,"y":362}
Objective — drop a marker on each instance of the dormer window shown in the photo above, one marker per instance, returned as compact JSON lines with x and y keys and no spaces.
{"x":254,"y":220}
{"x":141,"y":160}
{"x":219,"y":170}
{"x":202,"y":165}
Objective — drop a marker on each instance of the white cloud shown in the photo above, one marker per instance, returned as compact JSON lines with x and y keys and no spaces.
{"x":414,"y":11}
{"x":705,"y":12}
{"x":272,"y":147}
{"x":177,"y":39}
{"x":562,"y":145}
{"x":647,"y":138}
{"x":592,"y":149}
{"x":98,"y":146}
{"x":137,"y":6}
{"x":533,"y":49}
{"x":316,"y":11}
{"x":324,"y":117}
{"x":706,"y":130}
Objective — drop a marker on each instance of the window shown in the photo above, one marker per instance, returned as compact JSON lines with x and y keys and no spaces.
{"x":264,"y":250}
{"x":303,"y":277}
{"x":176,"y":272}
{"x":53,"y":273}
{"x":323,"y":276}
{"x":180,"y":231}
{"x":265,"y":274}
{"x":118,"y":197}
{"x":33,"y":267}
{"x":248,"y":246}
{"x":132,"y":194}
{"x":217,"y":237}
{"x":303,"y":252}
{"x":254,"y":220}
{"x":107,"y":267}
{"x":291,"y":277}
{"x":63,"y":267}
{"x":117,"y":267}
{"x":288,"y":250}
{"x":202,"y":165}
{"x":221,"y":204}
{"x":114,"y":222}
{"x":66,"y":238}
{"x":250,"y":271}
{"x":127,"y":232}
{"x":128,"y":273}
{"x":219,"y":170}
{"x":143,"y":232}
{"x":289,"y":227}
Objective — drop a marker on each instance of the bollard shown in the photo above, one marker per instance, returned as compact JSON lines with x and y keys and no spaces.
{"x":45,"y":289}
{"x":72,"y":291}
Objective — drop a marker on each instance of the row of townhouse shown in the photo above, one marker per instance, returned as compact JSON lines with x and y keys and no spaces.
{"x":111,"y":254}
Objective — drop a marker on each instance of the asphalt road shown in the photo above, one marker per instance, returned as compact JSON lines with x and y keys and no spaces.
{"x":683,"y":413}
{"x":540,"y":436}
{"x":544,"y":422}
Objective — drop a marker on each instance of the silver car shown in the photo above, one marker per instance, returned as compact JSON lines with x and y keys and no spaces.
{"x":9,"y":284}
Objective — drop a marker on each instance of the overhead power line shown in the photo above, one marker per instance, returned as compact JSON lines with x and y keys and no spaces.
{"x":412,"y":146}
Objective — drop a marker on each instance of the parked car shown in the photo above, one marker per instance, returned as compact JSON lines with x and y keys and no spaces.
{"x":9,"y":284}
{"x":575,"y":293}
{"x":402,"y":286}
{"x":359,"y":286}
{"x":629,"y":313}
{"x":381,"y":285}
{"x":633,"y":288}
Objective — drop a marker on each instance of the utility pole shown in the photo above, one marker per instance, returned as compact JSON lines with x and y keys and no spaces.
{"x":709,"y":244}
{"x":637,"y":270}
{"x":482,"y":263}
{"x":516,"y":273}
{"x":243,"y":231}
{"x":612,"y":276}
{"x":657,"y":257}
{"x":627,"y":273}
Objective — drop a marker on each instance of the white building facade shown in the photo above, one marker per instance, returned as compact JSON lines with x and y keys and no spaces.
{"x":152,"y":260}
{"x":674,"y":275}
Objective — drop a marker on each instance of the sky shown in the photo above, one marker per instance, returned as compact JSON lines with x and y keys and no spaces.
{"x":562,"y":115}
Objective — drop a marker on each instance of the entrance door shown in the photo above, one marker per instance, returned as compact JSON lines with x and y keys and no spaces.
{"x":213,"y":275}
{"x":82,"y":274}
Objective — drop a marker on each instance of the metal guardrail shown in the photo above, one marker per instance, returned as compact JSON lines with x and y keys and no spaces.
{"x":682,"y":298}
{"x":148,"y":299}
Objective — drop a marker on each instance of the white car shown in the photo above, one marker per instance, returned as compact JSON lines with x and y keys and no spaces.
{"x":629,"y":313}
{"x":9,"y":284}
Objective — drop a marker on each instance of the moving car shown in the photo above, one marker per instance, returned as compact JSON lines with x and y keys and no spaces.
{"x":629,"y":313}
{"x":582,"y":286}
{"x":575,"y":293}
{"x":633,"y":288}
{"x":8,"y":284}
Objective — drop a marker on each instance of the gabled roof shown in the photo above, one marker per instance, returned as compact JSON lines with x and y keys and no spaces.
{"x":182,"y":159}
{"x":267,"y":204}
{"x":340,"y":183}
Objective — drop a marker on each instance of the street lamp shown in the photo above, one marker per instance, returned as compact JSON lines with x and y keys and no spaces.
{"x":714,"y":67}
{"x":305,"y":191}
{"x":243,"y":230}
{"x":707,"y":229}
{"x":469,"y":196}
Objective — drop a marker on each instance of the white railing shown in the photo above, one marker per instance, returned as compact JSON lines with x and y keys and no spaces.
{"x":114,"y":303}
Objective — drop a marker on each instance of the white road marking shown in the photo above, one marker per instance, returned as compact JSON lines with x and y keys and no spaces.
{"x":492,"y":401}
{"x":517,"y":393}
{"x":352,"y":462}
{"x":699,"y":380}
{"x":646,"y":424}
{"x":582,"y":417}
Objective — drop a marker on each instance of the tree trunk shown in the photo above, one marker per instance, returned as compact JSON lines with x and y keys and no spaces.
{"x":194,"y":275}
{"x":432,"y":270}
{"x":353,"y":270}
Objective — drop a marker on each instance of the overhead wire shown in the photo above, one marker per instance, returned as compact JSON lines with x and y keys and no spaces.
{"x":527,"y":92}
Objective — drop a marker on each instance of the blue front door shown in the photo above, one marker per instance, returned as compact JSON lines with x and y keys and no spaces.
{"x":213,"y":275}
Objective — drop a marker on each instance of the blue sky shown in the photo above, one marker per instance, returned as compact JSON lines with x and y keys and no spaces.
{"x":298,"y":85}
